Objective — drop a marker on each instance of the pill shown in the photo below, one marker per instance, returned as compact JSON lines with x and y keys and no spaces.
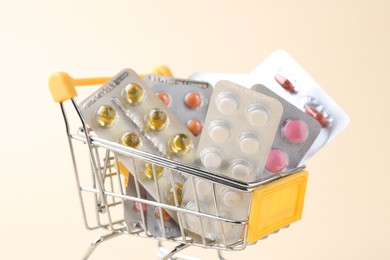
{"x":249,"y":144}
{"x":218,"y":131}
{"x":157,"y":120}
{"x":148,"y":171}
{"x":285,"y":83}
{"x":277,"y":161}
{"x":164,"y":214}
{"x":258,"y":116}
{"x":193,"y":100}
{"x":179,"y":193}
{"x":138,"y":206}
{"x":105,"y":116}
{"x":180,"y":144}
{"x":226,"y":103}
{"x":317,"y":115}
{"x":195,"y":126}
{"x":134,"y":94}
{"x":211,"y":159}
{"x":295,"y":131}
{"x":232,"y":198}
{"x":203,"y":188}
{"x":130,"y":139}
{"x":241,"y":171}
{"x":164,"y":98}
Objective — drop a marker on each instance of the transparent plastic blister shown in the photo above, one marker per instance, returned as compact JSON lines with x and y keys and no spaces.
{"x":187,"y":99}
{"x":227,"y":203}
{"x":281,"y":73}
{"x":239,"y":130}
{"x":296,"y":133}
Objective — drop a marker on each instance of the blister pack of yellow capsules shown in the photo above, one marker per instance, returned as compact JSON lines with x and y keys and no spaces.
{"x":125,"y":110}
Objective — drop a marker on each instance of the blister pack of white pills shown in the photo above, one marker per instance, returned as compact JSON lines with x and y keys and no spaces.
{"x":239,"y":130}
{"x":203,"y":196}
{"x":188,"y":99}
{"x":296,"y":133}
{"x":281,"y":73}
{"x":238,"y":134}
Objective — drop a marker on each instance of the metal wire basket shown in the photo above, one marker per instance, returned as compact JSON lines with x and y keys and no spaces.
{"x":103,"y":194}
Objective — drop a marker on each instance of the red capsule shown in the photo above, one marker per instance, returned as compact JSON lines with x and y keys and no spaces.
{"x":311,"y":111}
{"x":164,"y":98}
{"x":195,"y":126}
{"x":285,"y":83}
{"x":193,"y":100}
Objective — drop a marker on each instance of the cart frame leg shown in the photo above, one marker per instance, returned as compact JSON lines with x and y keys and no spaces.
{"x":99,"y":241}
{"x":165,"y":254}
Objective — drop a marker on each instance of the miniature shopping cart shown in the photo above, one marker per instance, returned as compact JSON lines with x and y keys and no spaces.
{"x":274,"y":203}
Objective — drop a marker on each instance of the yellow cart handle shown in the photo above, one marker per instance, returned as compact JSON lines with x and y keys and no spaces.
{"x":63,"y":87}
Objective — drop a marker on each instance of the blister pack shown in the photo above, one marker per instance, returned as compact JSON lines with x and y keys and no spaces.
{"x":134,"y":212}
{"x":297,"y":132}
{"x":216,"y":200}
{"x":157,"y":122}
{"x":104,"y":112}
{"x":239,"y":130}
{"x":281,"y":73}
{"x":137,"y":215}
{"x":160,"y":222}
{"x":188,"y":99}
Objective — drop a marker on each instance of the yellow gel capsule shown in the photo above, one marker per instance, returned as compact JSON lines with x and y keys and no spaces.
{"x":105,"y":116}
{"x":157,"y":120}
{"x":148,"y":171}
{"x":130,"y":139}
{"x":179,"y":192}
{"x":180,"y":144}
{"x":134,"y":94}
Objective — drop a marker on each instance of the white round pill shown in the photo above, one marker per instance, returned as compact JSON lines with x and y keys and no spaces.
{"x":218,"y":132}
{"x":249,"y":144}
{"x":258,"y":116}
{"x":241,"y":171}
{"x":227,"y":103}
{"x":203,"y":187}
{"x":211,"y":159}
{"x":232,"y":198}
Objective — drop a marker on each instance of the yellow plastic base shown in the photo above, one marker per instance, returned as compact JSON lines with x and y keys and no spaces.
{"x":276,"y":205}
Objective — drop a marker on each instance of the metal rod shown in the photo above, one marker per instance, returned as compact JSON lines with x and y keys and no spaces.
{"x":99,"y":241}
{"x":178,"y":166}
{"x":175,"y":250}
{"x":160,"y":210}
{"x":166,"y":206}
{"x":76,"y":174}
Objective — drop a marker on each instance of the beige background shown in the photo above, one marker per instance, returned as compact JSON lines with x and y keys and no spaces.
{"x":344,"y":45}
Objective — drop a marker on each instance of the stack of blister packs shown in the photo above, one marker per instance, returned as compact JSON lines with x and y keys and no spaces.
{"x":248,"y":127}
